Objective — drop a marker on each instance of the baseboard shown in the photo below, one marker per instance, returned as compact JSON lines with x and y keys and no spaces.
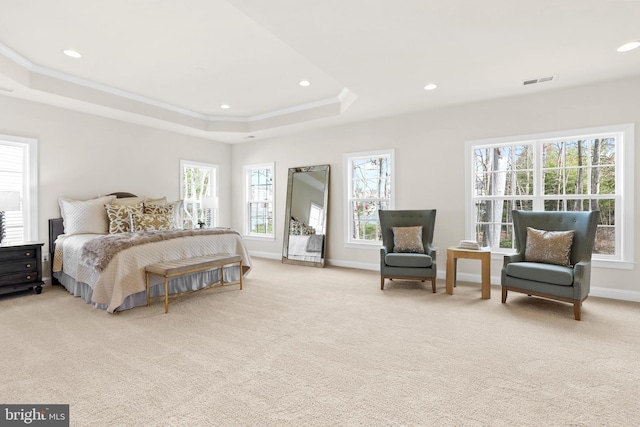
{"x":268,"y":255}
{"x":618,"y":294}
{"x":596,"y":291}
{"x":351,"y":264}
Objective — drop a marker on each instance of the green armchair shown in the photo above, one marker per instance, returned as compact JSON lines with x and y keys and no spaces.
{"x":417,"y":262}
{"x":570,"y":282}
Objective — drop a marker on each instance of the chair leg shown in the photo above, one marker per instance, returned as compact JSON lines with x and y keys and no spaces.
{"x":382,"y":283}
{"x":433,"y":284}
{"x":504,"y":294}
{"x":576,"y":309}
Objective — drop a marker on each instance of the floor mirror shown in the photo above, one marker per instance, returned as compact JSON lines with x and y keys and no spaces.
{"x":305,"y":227}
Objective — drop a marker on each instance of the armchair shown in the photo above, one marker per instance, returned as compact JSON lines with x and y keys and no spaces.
{"x":407,"y":253}
{"x":542,"y":274}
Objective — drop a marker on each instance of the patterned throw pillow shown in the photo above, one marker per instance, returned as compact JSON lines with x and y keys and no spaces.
{"x":549,"y":247}
{"x":120,"y":216}
{"x":150,"y":208}
{"x":175,"y":208}
{"x":151,"y":222}
{"x":85,"y":216}
{"x":408,"y":239}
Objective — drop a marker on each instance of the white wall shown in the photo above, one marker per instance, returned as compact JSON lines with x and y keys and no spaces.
{"x":430,"y":165}
{"x":82,"y":156}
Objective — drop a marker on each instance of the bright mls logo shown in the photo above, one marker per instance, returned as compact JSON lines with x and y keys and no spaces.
{"x":34,"y":415}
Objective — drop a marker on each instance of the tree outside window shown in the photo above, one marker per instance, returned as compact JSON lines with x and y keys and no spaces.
{"x":199,"y":180}
{"x":370,"y":183}
{"x":259,"y":185}
{"x":577,"y":173}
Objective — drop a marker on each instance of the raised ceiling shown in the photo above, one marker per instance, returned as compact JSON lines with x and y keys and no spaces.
{"x":172,"y":64}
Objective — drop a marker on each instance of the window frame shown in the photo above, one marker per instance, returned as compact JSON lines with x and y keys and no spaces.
{"x":624,"y":192}
{"x":246,"y":211}
{"x":29,"y":190}
{"x":213,"y":189}
{"x":348,"y":187}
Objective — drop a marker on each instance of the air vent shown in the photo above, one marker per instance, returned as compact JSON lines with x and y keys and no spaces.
{"x":538,"y":80}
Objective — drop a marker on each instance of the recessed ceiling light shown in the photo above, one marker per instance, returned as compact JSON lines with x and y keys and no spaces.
{"x":629,"y":46}
{"x":225,"y":106}
{"x":72,"y":53}
{"x":304,"y":83}
{"x":430,"y":86}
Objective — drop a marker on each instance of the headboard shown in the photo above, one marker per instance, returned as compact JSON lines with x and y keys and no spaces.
{"x":56,"y":226}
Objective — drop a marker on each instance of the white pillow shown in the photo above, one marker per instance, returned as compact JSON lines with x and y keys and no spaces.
{"x":129,"y":201}
{"x":85,"y":216}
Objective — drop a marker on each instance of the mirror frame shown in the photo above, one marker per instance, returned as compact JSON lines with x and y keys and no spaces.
{"x":287,"y":224}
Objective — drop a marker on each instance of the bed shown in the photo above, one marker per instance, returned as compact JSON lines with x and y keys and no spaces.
{"x":306,"y":248}
{"x":102,"y":261}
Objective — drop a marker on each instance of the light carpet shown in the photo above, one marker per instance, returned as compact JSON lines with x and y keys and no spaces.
{"x":309,"y":346}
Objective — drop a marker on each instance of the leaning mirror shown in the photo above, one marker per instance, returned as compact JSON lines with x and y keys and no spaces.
{"x":306,"y":216}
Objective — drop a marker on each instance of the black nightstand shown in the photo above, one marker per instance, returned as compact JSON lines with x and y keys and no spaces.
{"x":20,"y":267}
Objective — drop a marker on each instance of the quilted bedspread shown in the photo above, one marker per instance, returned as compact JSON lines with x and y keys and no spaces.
{"x":124,"y":274}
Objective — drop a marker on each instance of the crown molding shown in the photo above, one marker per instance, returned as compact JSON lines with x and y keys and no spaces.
{"x":65,"y":85}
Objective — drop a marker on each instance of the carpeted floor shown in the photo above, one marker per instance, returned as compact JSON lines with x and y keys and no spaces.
{"x":308,"y":346}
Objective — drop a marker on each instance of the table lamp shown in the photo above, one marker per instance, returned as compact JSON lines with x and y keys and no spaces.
{"x":9,"y":201}
{"x":208,"y":204}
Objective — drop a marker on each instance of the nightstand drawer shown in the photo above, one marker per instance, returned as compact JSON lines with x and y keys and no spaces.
{"x":18,"y":266}
{"x":9,"y":279}
{"x":18,"y":254}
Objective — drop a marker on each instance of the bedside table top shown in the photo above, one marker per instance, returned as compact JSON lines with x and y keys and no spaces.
{"x":19,"y":244}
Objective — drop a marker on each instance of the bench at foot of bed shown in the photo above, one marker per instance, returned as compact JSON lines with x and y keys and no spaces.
{"x":183,"y":267}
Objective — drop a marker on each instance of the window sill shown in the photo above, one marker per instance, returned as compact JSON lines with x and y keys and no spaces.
{"x":263,"y":238}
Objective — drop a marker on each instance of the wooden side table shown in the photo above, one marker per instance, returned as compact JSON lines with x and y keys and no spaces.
{"x":454,"y":252}
{"x":20,"y":267}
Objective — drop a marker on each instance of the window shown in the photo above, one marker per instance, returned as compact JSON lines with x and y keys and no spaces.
{"x":259,"y":210}
{"x":578,"y":170}
{"x":316,"y":214}
{"x":19,"y":172}
{"x":369,"y":187}
{"x":199,"y":190}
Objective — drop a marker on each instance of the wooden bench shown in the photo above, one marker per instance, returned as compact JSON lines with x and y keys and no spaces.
{"x":183,"y":267}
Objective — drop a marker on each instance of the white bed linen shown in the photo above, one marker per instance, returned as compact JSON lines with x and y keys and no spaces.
{"x":124,"y":275}
{"x":298,"y":249}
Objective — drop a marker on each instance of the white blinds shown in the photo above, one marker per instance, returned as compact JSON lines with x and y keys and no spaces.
{"x":12,"y":170}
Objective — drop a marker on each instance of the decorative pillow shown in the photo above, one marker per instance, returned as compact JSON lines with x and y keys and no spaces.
{"x":160,"y":201}
{"x":295,"y":227}
{"x":129,"y":201}
{"x":85,"y":216}
{"x":408,"y":239}
{"x":176,"y":208}
{"x":120,"y":216}
{"x":158,"y":209}
{"x":151,"y":222}
{"x":549,"y":247}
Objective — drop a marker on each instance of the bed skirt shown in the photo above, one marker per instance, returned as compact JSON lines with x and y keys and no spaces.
{"x":190,"y":282}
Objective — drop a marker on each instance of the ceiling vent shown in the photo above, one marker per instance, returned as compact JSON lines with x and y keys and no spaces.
{"x":538,"y":80}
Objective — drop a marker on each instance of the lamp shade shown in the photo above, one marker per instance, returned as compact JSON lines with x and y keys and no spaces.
{"x":9,"y":201}
{"x":209,"y":203}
